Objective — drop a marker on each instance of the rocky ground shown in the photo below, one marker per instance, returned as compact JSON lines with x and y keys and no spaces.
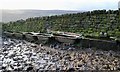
{"x":20,"y":55}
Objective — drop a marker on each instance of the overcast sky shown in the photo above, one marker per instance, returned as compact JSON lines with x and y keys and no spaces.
{"x":59,"y":4}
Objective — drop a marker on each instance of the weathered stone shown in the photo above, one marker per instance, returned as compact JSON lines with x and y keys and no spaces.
{"x":25,"y":56}
{"x":29,"y":68}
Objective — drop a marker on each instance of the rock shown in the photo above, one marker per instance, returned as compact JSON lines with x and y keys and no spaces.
{"x":67,"y":57}
{"x":71,"y":70}
{"x":5,"y":43}
{"x":61,"y":57}
{"x":15,"y":58}
{"x":41,"y":66}
{"x":16,"y":69}
{"x":5,"y":49}
{"x":18,"y":64}
{"x":79,"y":65}
{"x":22,"y":55}
{"x":4,"y":66}
{"x":54,"y":60}
{"x":9,"y":68}
{"x":33,"y":45}
{"x":118,"y":69}
{"x":20,"y":69}
{"x":48,"y":52}
{"x":57,"y":69}
{"x":1,"y":62}
{"x":46,"y":58}
{"x":29,"y":68}
{"x":106,"y":67}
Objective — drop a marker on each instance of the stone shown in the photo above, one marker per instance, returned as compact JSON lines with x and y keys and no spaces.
{"x":4,"y":66}
{"x":79,"y":65}
{"x":67,"y":57}
{"x":5,"y":49}
{"x":29,"y":68}
{"x":21,"y":55}
{"x":71,"y":69}
{"x":33,"y":45}
{"x":5,"y":42}
{"x":118,"y":69}
{"x":48,"y":52}
{"x":46,"y":58}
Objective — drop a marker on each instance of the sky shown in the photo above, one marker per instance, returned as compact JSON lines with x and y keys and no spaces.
{"x":119,"y":5}
{"x":84,"y":5}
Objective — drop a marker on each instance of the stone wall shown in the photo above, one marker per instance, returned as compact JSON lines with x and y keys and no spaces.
{"x":84,"y":43}
{"x":99,"y":44}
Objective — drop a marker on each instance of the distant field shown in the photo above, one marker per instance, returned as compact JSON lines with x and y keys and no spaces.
{"x":14,"y":15}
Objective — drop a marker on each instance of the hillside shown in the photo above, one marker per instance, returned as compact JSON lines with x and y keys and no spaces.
{"x":88,"y":23}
